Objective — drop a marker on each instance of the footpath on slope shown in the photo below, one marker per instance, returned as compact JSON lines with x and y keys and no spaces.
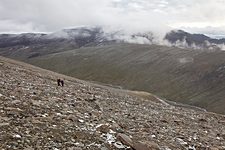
{"x":37,"y":114}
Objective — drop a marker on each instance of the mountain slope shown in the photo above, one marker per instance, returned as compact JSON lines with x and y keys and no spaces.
{"x":30,"y":45}
{"x":38,"y":44}
{"x":188,"y":76}
{"x":198,"y":41}
{"x":182,"y":75}
{"x":36,"y":114}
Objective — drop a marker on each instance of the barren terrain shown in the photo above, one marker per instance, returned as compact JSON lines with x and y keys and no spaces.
{"x":37,"y":114}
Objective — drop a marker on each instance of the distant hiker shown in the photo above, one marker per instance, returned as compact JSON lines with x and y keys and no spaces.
{"x":62,"y":83}
{"x":58,"y":81}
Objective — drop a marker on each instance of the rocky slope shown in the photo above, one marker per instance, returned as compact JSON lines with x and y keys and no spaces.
{"x":36,"y":114}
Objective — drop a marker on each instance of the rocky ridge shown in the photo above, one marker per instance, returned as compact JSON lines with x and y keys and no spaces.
{"x":36,"y":114}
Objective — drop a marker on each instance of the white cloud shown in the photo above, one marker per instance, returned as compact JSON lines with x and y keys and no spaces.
{"x":132,"y":15}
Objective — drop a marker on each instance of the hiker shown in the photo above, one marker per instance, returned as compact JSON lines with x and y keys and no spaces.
{"x":58,"y":81}
{"x":62,"y":83}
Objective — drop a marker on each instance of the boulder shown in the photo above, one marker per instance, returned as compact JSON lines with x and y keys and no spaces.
{"x":126,"y":140}
{"x":146,"y":145}
{"x":104,"y":128}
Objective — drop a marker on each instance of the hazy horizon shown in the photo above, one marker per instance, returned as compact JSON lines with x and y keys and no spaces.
{"x":159,"y":16}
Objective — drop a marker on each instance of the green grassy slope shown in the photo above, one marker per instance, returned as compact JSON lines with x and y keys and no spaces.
{"x":189,"y":76}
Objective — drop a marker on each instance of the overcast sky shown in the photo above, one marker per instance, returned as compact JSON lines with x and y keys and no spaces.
{"x":206,"y":16}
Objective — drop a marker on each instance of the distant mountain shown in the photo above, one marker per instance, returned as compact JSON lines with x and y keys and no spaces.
{"x":28,"y":45}
{"x":181,"y":38}
{"x":76,"y":37}
{"x":10,"y":40}
{"x":93,"y":36}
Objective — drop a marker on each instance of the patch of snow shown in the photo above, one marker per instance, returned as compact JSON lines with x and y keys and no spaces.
{"x":17,"y":136}
{"x":191,"y":148}
{"x":181,"y":141}
{"x":119,"y":145}
{"x":112,"y":132}
{"x":81,"y":121}
{"x":186,"y":60}
{"x":44,"y":115}
{"x":109,"y":138}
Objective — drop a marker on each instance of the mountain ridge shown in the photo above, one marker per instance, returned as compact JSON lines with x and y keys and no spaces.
{"x":95,"y":36}
{"x":198,"y":41}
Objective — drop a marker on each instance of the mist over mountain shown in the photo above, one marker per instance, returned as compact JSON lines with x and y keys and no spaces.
{"x":181,"y":39}
{"x":94,"y":36}
{"x":112,"y":74}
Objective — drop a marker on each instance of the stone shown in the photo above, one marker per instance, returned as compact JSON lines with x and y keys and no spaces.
{"x":181,"y":141}
{"x":12,"y":109}
{"x":146,"y":145}
{"x":4,"y":124}
{"x":202,"y":120}
{"x":16,"y":102}
{"x":104,"y":128}
{"x":191,"y":148}
{"x":74,"y":148}
{"x":104,"y":148}
{"x":213,"y":148}
{"x":29,"y":148}
{"x":125,"y":139}
{"x":222,"y":122}
{"x":119,"y":145}
{"x":71,"y":117}
{"x":81,"y":121}
{"x":17,"y":136}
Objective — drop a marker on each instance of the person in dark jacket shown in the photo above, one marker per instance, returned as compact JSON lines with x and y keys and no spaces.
{"x":62,"y":83}
{"x":58,"y":81}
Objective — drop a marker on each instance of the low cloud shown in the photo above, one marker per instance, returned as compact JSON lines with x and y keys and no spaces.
{"x":158,"y":16}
